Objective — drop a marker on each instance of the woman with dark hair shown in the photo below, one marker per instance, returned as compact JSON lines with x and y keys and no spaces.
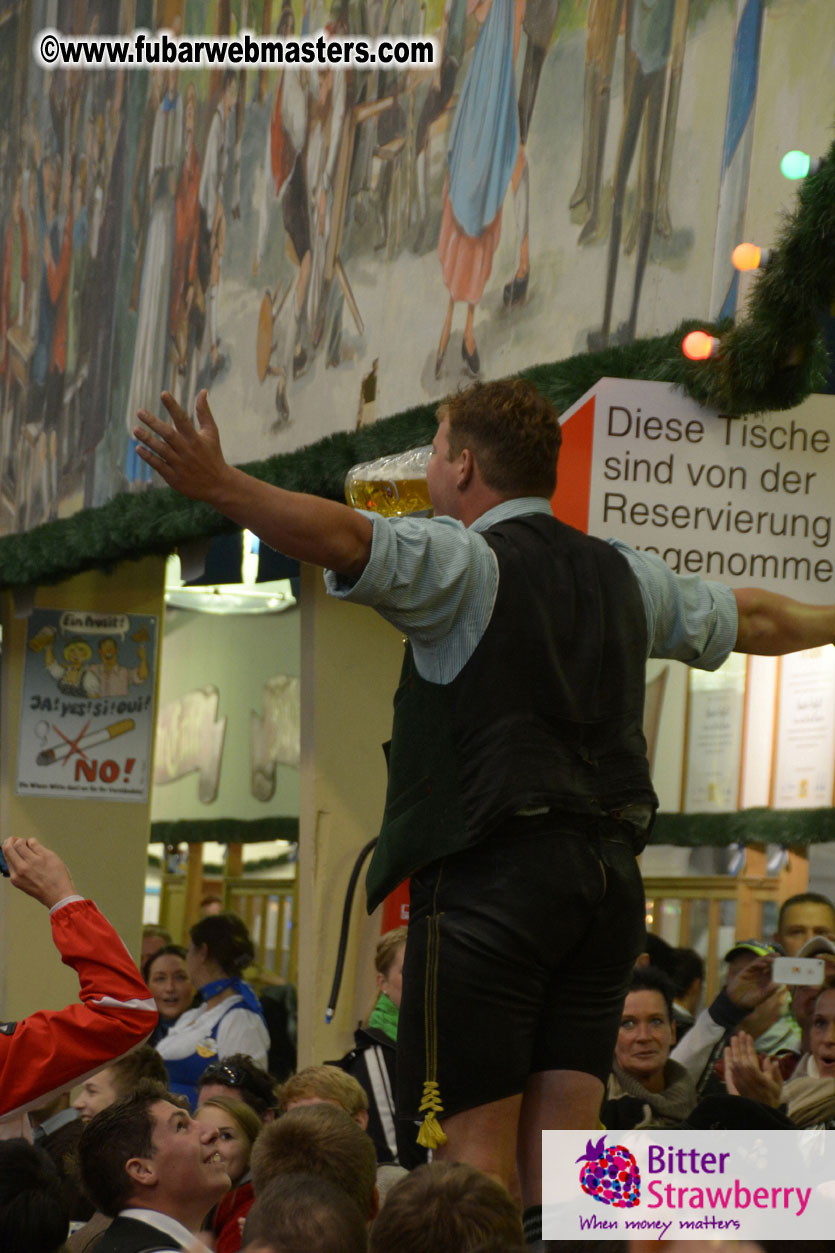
{"x":166,"y":974}
{"x":229,"y":1020}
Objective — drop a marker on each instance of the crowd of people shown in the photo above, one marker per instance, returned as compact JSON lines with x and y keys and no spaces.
{"x":236,"y":1160}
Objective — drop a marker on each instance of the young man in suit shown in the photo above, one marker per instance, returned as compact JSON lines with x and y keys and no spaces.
{"x":154,"y":1170}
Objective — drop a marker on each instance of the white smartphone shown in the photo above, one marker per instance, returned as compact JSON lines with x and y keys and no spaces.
{"x":805,"y":970}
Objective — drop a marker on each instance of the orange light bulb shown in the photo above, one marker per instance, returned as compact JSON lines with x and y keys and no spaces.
{"x":747,"y":256}
{"x":698,"y":345}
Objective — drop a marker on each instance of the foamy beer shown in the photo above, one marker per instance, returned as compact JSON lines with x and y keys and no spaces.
{"x":393,"y":485}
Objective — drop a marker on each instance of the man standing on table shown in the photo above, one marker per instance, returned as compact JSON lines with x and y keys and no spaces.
{"x":519,"y":790}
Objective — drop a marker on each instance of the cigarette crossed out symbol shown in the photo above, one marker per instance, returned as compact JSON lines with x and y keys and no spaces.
{"x":74,"y":744}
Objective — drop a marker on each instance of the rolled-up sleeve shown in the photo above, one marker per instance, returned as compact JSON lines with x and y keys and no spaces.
{"x":689,"y":619}
{"x":433,"y":579}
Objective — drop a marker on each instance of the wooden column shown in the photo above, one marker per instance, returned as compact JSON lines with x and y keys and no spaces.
{"x":194,"y":883}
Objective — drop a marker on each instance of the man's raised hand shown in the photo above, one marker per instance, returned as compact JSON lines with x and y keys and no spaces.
{"x":306,"y":527}
{"x":189,"y":459}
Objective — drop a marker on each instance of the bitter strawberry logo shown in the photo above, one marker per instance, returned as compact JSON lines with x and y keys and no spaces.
{"x":610,"y":1175}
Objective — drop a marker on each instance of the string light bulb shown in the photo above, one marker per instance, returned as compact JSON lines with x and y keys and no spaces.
{"x":698,"y":345}
{"x":797,"y":164}
{"x":750,"y":257}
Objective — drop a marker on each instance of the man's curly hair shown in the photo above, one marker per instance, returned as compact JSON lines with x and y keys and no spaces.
{"x":513,"y":432}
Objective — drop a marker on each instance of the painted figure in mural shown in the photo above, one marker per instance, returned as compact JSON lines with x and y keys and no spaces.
{"x":106,"y":236}
{"x":285,"y":183}
{"x":647,"y":57}
{"x":14,"y":294}
{"x":365,"y":18}
{"x":212,"y":215}
{"x":484,"y":156}
{"x":48,"y":174}
{"x":306,"y":131}
{"x":663,"y":225}
{"x":401,"y":19}
{"x":31,"y":210}
{"x":539,"y":24}
{"x":327,"y":104}
{"x":186,"y":308}
{"x":78,"y":267}
{"x":240,"y":119}
{"x":150,"y":356}
{"x":57,"y":255}
{"x":391,"y":140}
{"x":139,"y":204}
{"x":15,"y":302}
{"x":452,"y":40}
{"x":602,"y":26}
{"x":77,"y":346}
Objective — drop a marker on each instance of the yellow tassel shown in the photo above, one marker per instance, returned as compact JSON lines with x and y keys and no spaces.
{"x":431,"y":1135}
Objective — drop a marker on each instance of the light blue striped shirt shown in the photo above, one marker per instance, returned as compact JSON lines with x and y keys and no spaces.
{"x":436,"y":581}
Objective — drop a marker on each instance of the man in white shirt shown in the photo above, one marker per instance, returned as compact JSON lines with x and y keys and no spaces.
{"x":147,"y":1164}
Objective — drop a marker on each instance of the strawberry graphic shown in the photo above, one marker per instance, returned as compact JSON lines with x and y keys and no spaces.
{"x":610,"y":1175}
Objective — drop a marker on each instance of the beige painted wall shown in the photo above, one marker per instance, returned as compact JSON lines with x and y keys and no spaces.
{"x":237,"y":655}
{"x":103,"y":842}
{"x":351,"y":660}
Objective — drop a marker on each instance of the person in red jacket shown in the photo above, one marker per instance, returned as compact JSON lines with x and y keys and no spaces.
{"x":51,"y":1050}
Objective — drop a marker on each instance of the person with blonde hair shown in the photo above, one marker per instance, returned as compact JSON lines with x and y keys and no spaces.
{"x":237,"y":1127}
{"x":372,"y":1062}
{"x":388,"y":962}
{"x":325,"y":1085}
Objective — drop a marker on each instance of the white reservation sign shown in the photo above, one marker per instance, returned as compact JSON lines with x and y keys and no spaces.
{"x":745,"y":500}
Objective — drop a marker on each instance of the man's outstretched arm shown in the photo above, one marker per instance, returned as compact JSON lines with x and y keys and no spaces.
{"x":770,"y":624}
{"x":309,"y":528}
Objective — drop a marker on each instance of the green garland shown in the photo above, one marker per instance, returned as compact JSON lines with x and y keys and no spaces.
{"x":745,"y":826}
{"x":226,"y":831}
{"x":771,"y":360}
{"x":788,"y":827}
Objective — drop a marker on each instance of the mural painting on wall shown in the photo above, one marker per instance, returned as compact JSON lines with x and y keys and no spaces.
{"x":274,"y":734}
{"x":87,"y":709}
{"x":567,"y":176}
{"x":190,"y":738}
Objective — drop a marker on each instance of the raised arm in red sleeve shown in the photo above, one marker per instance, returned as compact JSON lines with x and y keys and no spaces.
{"x":51,"y":1050}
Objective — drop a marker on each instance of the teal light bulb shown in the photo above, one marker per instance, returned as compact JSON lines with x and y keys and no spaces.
{"x":795,"y":164}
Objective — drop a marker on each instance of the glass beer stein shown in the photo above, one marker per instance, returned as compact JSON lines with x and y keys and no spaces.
{"x":393,"y":485}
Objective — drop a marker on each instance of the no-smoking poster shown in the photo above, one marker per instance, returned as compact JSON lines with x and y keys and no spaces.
{"x":87,"y":709}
